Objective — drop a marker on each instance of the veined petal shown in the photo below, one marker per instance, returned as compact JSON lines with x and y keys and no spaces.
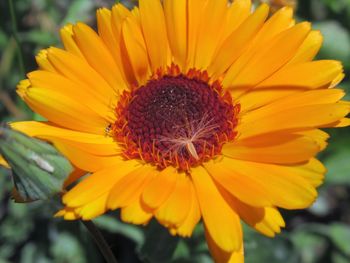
{"x":219,"y":218}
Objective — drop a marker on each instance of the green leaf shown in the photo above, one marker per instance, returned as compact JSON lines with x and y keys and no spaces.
{"x":336,"y":41}
{"x":113,"y":225}
{"x":39,"y":170}
{"x":159,"y":245}
{"x":340,"y":234}
{"x":310,"y":246}
{"x":338,"y":166}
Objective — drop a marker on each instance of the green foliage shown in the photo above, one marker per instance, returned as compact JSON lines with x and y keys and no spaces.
{"x":39,"y":170}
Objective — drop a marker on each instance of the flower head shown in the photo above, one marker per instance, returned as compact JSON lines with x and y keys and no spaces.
{"x":187,"y":110}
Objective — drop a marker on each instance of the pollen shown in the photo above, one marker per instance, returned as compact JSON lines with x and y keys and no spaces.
{"x":175,"y":119}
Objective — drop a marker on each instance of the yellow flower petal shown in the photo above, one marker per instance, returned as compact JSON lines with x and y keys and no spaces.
{"x":155,"y":33}
{"x":93,"y":187}
{"x":237,"y":41}
{"x":129,"y":189}
{"x":286,"y":190}
{"x":98,"y":56}
{"x":136,"y":49}
{"x":237,"y":184}
{"x":3,"y":162}
{"x":219,"y":218}
{"x":186,"y":228}
{"x":91,"y":143}
{"x":160,"y":188}
{"x":175,"y":209}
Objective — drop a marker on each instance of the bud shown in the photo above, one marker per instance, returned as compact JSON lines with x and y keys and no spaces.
{"x":39,"y":170}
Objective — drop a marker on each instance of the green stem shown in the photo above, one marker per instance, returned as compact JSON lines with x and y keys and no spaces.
{"x":15,"y":36}
{"x":100,"y":241}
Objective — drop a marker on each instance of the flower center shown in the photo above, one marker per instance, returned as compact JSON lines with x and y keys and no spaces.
{"x":175,"y":120}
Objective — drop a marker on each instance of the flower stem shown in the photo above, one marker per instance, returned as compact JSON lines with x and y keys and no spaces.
{"x":100,"y":241}
{"x":15,"y":36}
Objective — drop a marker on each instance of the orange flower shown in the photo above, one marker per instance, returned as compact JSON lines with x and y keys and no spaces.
{"x":189,"y":110}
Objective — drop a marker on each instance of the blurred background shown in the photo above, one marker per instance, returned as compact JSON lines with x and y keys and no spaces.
{"x":29,"y":234}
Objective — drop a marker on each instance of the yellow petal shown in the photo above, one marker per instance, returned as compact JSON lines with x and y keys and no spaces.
{"x":160,"y":188}
{"x":305,"y":117}
{"x":176,"y":22}
{"x":312,"y":75}
{"x":81,"y":76}
{"x":128,"y":190}
{"x":221,"y":256}
{"x":119,"y":14}
{"x":318,"y":136}
{"x":287,"y":190}
{"x":98,"y":56}
{"x":236,"y":184}
{"x":68,"y":41}
{"x":194,"y":214}
{"x":278,"y":23}
{"x":237,"y":41}
{"x":194,"y":18}
{"x":237,"y":13}
{"x":155,"y":33}
{"x":266,"y":220}
{"x":221,"y":221}
{"x":93,"y":187}
{"x":84,"y":160}
{"x":43,"y":62}
{"x":3,"y":162}
{"x":136,"y":49}
{"x":136,"y":213}
{"x":91,"y":143}
{"x":210,"y":32}
{"x":94,"y":208}
{"x":269,"y":59}
{"x":286,"y":151}
{"x":62,"y":109}
{"x":309,"y":49}
{"x":175,"y":209}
